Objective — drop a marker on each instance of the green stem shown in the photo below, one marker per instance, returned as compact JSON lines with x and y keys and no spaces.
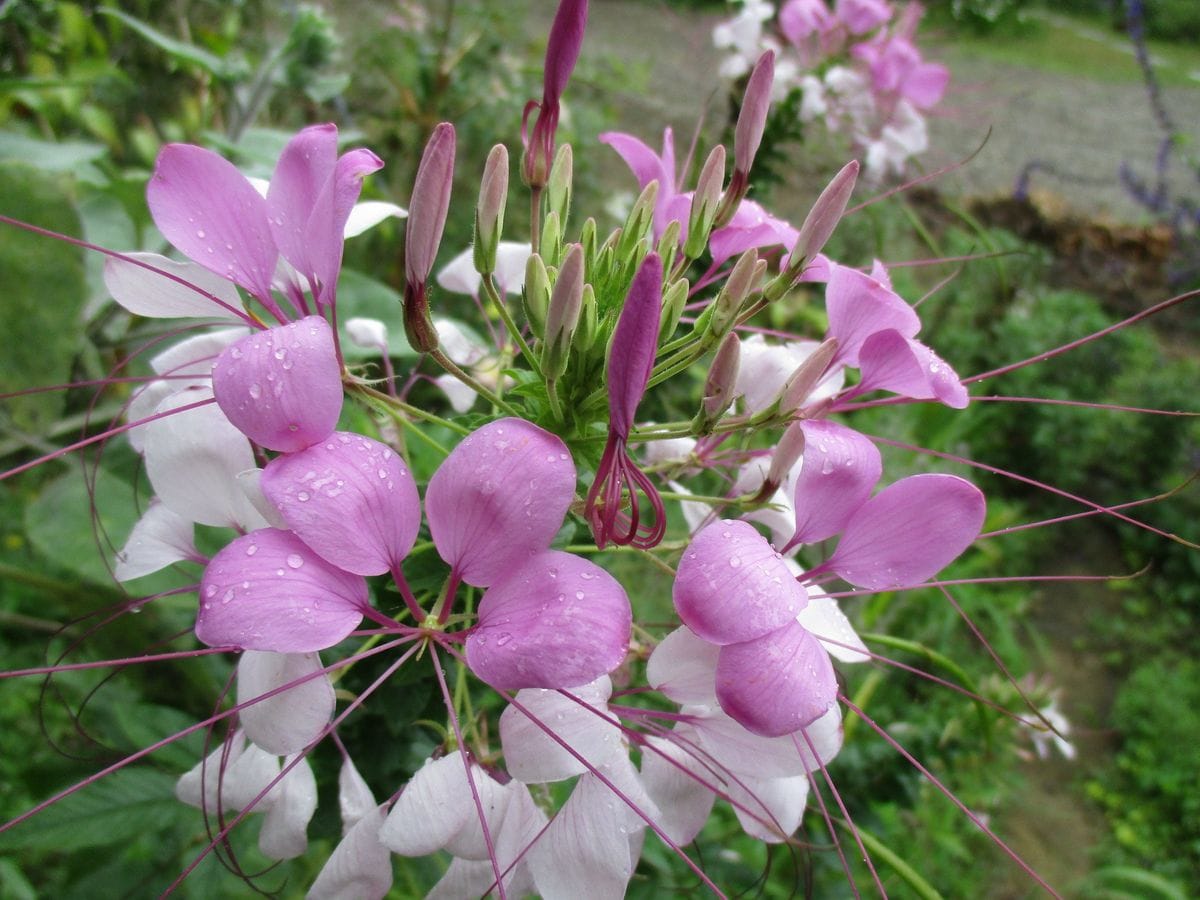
{"x":487,"y":393}
{"x":489,"y":287}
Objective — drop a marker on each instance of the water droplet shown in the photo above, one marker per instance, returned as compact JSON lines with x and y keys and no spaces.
{"x":228,"y":246}
{"x":295,"y":560}
{"x":252,"y":549}
{"x":293,"y":427}
{"x":303,"y":496}
{"x":236,"y":352}
{"x":827,"y":466}
{"x":227,"y":596}
{"x":255,"y":391}
{"x":503,"y":639}
{"x":280,"y":353}
{"x":579,"y":595}
{"x":287,"y":364}
{"x":210,"y":591}
{"x":200,"y":234}
{"x":735,"y":562}
{"x":279,"y":572}
{"x":382,"y":473}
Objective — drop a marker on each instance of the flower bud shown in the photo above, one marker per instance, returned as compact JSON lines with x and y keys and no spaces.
{"x":551,"y":244}
{"x":562,"y":317}
{"x":752,"y":119}
{"x":536,"y":298}
{"x":728,"y":305}
{"x":639,"y":225}
{"x":674,"y":300}
{"x":787,"y":453}
{"x":489,"y":213}
{"x":558,"y":188}
{"x":428,"y":205}
{"x":822,"y":219}
{"x":719,"y":385}
{"x":669,"y":242}
{"x":705,"y":201}
{"x":801,"y":382}
{"x":591,"y":243}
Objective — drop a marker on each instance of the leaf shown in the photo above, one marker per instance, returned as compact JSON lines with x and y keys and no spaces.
{"x":43,"y":293}
{"x":226,"y":70}
{"x":123,"y":806}
{"x":48,"y":156}
{"x":59,"y":524}
{"x":364,"y":297}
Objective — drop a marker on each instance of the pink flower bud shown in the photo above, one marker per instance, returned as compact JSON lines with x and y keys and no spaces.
{"x":489,"y":213}
{"x":282,"y":387}
{"x":823,"y":218}
{"x":429,"y":204}
{"x":562,"y":318}
{"x":752,"y":119}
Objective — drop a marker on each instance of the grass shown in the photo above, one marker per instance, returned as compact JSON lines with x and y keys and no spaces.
{"x":1076,"y":46}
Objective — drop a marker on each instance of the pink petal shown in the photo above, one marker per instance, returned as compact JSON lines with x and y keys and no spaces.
{"x":284,"y":833}
{"x":204,"y":206}
{"x":647,"y":165}
{"x":778,"y":683}
{"x":500,"y":496}
{"x":909,"y":531}
{"x":839,"y":469}
{"x":925,"y":84}
{"x":858,"y":306}
{"x":325,"y":231}
{"x":751,"y":226}
{"x":351,"y":499}
{"x":282,"y":387}
{"x":304,"y":168}
{"x":288,"y":721}
{"x":557,"y":621}
{"x":160,"y":537}
{"x":532,"y":756}
{"x":269,"y":591}
{"x":684,"y":667}
{"x":145,"y":292}
{"x":892,"y":362}
{"x":634,"y":345}
{"x":437,"y":811}
{"x":732,"y":586}
{"x":360,"y":867}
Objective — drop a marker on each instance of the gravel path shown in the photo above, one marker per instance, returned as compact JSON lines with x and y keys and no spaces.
{"x":1080,"y":129}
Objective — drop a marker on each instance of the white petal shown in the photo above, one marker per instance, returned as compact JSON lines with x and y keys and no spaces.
{"x":148,"y":293}
{"x":159,"y":538}
{"x":457,"y":344}
{"x":355,"y":799}
{"x":461,"y":397}
{"x":289,"y":721}
{"x":743,"y":753}
{"x":284,"y":832}
{"x":826,"y":620}
{"x":677,"y":781}
{"x":248,"y":771}
{"x":683,"y":666}
{"x":195,"y":355}
{"x":587,"y":852}
{"x":533,"y":756}
{"x":769,"y":809}
{"x":437,"y":810}
{"x":250,"y":481}
{"x":366,"y":214}
{"x":672,"y":450}
{"x":193,"y":459}
{"x":360,"y":867}
{"x":369,"y":333}
{"x":511,"y":258}
{"x":146,"y":400}
{"x":459,"y":276}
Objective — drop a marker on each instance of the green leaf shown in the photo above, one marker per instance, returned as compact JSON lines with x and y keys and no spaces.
{"x":129,"y":803}
{"x":43,"y":293}
{"x":48,"y":156}
{"x":361,"y":296}
{"x":181,"y":51}
{"x":59,"y":524}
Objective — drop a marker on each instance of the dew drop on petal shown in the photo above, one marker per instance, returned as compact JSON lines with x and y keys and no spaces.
{"x":295,"y":560}
{"x":255,"y":390}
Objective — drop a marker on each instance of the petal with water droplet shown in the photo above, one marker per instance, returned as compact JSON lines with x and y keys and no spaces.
{"x":732,"y":586}
{"x":269,"y":591}
{"x":557,"y":621}
{"x":498,"y":497}
{"x":282,"y":387}
{"x":350,"y":498}
{"x":778,"y":683}
{"x":838,"y":471}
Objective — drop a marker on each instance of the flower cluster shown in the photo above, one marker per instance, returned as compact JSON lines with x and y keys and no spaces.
{"x":259,"y":432}
{"x":856,"y":66}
